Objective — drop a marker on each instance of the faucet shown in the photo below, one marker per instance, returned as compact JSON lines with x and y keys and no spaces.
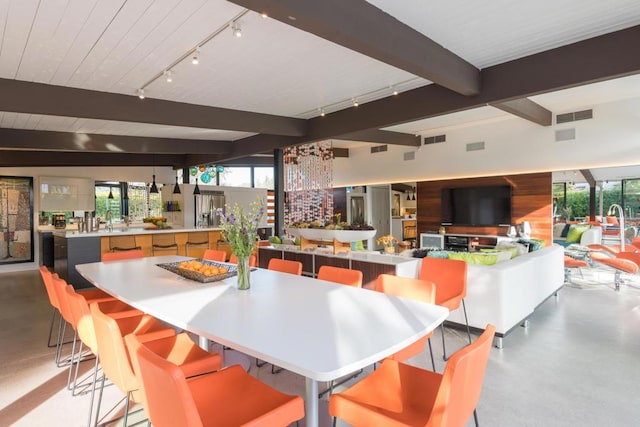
{"x":109,"y":218}
{"x":612,"y":210}
{"x":127,"y":220}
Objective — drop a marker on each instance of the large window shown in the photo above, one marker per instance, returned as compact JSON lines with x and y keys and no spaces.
{"x":137,"y":204}
{"x":263,"y":177}
{"x":236,"y":177}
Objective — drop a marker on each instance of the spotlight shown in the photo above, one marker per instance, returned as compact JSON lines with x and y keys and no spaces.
{"x":168,"y":75}
{"x":394,"y":91}
{"x":235,"y":28}
{"x":264,"y":15}
{"x":195,"y":60}
{"x":141,"y":93}
{"x":355,"y":102}
{"x":322,"y":114}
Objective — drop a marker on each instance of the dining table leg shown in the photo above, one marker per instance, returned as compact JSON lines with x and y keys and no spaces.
{"x":203,"y":343}
{"x":311,"y":402}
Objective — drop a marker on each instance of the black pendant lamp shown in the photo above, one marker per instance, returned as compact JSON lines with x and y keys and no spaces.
{"x":176,"y":188}
{"x":110,"y":193}
{"x":196,"y":190}
{"x":408,"y":196}
{"x":154,"y":187}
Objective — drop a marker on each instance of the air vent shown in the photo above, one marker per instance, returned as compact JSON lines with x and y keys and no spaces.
{"x":475,"y":146}
{"x":565,"y":134}
{"x":378,"y":149}
{"x":572,"y":117}
{"x":409,"y":155}
{"x":434,"y":139}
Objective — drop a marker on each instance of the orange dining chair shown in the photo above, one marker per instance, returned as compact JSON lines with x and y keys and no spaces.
{"x":119,"y":256}
{"x":228,"y":397}
{"x":344,"y":276}
{"x":417,"y":289}
{"x":115,"y":359}
{"x":403,"y":395}
{"x":450,"y":278}
{"x":285,"y":266}
{"x":233,"y":259}
{"x":53,"y":300}
{"x":215,"y":255}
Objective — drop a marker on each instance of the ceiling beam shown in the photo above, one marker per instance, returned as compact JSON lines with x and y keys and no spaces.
{"x":18,"y":158}
{"x":526,"y":109}
{"x":38,"y":98}
{"x":362,"y":27}
{"x":588,"y":61}
{"x":586,"y":173}
{"x":15,"y":139}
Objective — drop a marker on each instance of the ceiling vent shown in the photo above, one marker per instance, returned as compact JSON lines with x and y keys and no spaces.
{"x":572,"y":117}
{"x":378,"y":149}
{"x":475,"y":146}
{"x":565,"y":135}
{"x":409,"y":155}
{"x":434,"y":139}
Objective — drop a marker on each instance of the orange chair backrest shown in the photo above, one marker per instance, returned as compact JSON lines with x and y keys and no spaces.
{"x":119,"y":256}
{"x":449,"y":276}
{"x":340,"y":275}
{"x":233,"y":259}
{"x":285,"y":266}
{"x":114,"y":358}
{"x":215,"y":255}
{"x":421,"y":290}
{"x":636,"y":242}
{"x":462,"y":380}
{"x":59,"y":285}
{"x":631,"y":256}
{"x":612,"y":220}
{"x":82,"y":318}
{"x":47,"y":279}
{"x":169,"y":401}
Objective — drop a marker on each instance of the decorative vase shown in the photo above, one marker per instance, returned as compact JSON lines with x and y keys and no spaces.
{"x":390,"y":249}
{"x":244,"y":271}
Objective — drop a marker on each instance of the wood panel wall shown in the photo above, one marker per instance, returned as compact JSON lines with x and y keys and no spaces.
{"x":531,"y":201}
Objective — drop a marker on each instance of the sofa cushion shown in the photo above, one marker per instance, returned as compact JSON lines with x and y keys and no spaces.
{"x":565,"y":230}
{"x":575,"y":233}
{"x":481,"y":258}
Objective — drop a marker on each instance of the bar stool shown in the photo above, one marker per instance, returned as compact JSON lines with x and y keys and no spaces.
{"x":196,"y":239}
{"x":163,"y":242}
{"x":123,"y":243}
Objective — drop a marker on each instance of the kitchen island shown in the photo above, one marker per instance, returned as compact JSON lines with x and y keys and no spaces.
{"x":72,"y":247}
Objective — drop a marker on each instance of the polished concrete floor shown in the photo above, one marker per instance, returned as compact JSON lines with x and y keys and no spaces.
{"x":577,"y":364}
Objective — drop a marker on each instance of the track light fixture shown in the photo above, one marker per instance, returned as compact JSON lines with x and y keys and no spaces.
{"x":322,"y":113}
{"x":196,"y":190}
{"x":394,"y":91}
{"x":168,"y":75}
{"x":154,"y":187}
{"x":141,"y":93}
{"x":236,"y":29}
{"x":195,"y":59}
{"x":355,"y":102}
{"x":176,"y":188}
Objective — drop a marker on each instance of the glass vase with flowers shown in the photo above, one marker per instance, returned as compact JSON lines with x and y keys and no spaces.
{"x":240,"y":231}
{"x":388,"y":242}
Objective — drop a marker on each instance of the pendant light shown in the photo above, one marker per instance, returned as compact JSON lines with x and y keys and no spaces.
{"x":176,"y":188}
{"x":408,"y":196}
{"x":110,"y":193}
{"x":196,"y":190}
{"x":154,"y":187}
{"x":414,"y":193}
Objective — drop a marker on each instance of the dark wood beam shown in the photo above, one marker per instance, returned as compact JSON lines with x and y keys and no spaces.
{"x":38,"y":98}
{"x":586,"y":173}
{"x":362,"y":27}
{"x":16,"y":139}
{"x":588,"y":61}
{"x":526,"y":109}
{"x":19,"y":158}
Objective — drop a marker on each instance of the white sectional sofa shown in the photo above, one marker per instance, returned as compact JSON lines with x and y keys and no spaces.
{"x":506,"y":294}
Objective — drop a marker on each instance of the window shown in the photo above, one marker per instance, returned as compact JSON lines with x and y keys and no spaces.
{"x":263,"y":177}
{"x":104,"y":204}
{"x":236,"y":177}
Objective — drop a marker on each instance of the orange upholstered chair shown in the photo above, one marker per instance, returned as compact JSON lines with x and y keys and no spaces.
{"x":53,"y":300}
{"x":344,"y":276}
{"x":285,"y":266}
{"x":403,"y":395}
{"x":228,"y":397}
{"x":450,"y":278}
{"x":119,"y":256}
{"x":571,"y":263}
{"x":624,"y":262}
{"x":215,"y":255}
{"x":417,"y":289}
{"x":115,"y":359}
{"x":233,"y":259}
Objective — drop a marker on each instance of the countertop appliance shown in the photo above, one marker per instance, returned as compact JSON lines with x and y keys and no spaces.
{"x":60,"y":220}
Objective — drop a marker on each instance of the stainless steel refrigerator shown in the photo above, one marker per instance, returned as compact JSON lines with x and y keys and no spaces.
{"x":207,"y":203}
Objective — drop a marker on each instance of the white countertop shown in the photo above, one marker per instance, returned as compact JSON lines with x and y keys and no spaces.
{"x":70,"y":233}
{"x":369,"y":256}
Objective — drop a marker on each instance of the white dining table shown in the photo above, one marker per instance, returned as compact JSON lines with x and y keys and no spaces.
{"x":317,"y":329}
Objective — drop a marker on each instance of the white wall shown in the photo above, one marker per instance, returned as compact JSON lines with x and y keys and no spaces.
{"x":512,"y":146}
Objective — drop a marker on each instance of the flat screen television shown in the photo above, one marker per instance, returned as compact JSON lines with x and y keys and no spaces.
{"x":477,"y":206}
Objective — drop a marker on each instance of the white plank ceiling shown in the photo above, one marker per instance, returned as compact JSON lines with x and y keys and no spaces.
{"x":119,"y":46}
